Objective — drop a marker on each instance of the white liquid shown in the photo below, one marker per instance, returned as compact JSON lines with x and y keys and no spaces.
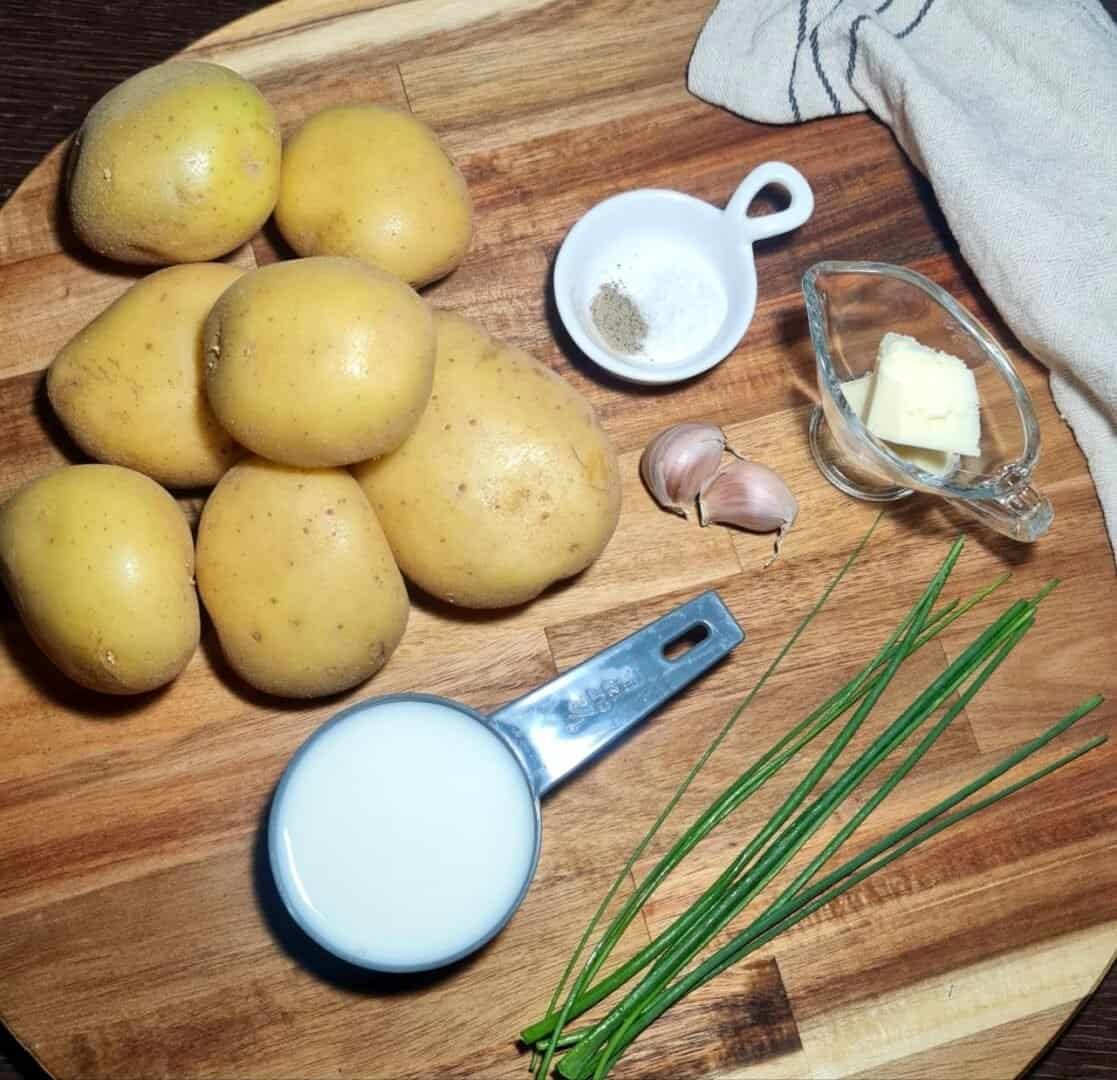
{"x":676,"y":287}
{"x":403,"y":835}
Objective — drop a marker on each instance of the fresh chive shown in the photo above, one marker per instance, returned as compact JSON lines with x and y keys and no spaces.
{"x":705,"y":918}
{"x":583,"y":979}
{"x":595,"y":1048}
{"x":575,"y":1066}
{"x":910,"y":761}
{"x":735,"y":903}
{"x":750,"y":781}
{"x":744,"y":786}
{"x":775,"y":923}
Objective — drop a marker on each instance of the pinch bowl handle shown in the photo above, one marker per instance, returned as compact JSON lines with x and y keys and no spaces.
{"x":791,"y":217}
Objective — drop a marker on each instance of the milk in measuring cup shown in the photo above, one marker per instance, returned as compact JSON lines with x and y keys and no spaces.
{"x":407,"y":834}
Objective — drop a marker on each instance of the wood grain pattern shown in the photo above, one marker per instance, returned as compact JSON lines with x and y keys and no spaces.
{"x":139,"y":931}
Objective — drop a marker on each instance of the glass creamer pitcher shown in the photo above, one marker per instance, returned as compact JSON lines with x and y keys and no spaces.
{"x":850,"y":306}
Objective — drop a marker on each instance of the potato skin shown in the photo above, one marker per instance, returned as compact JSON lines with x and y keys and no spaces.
{"x":319,"y":362}
{"x":179,"y":163}
{"x":508,"y":483}
{"x":130,"y":386}
{"x":295,"y":572}
{"x":100,"y":565}
{"x":374,"y":182}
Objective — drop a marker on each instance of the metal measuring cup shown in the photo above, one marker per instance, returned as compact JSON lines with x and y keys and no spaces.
{"x":550,"y":733}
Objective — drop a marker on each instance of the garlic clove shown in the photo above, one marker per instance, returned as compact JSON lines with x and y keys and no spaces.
{"x":749,"y":495}
{"x":678,"y":461}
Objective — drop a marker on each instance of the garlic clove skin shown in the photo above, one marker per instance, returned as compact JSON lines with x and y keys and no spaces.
{"x":749,"y":495}
{"x":678,"y":461}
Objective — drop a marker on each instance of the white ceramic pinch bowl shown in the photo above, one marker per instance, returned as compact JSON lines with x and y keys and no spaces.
{"x":685,"y":264}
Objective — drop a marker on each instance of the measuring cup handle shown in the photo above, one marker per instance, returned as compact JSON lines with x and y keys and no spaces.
{"x":1024,"y":514}
{"x":781,"y":175}
{"x":561,"y":725}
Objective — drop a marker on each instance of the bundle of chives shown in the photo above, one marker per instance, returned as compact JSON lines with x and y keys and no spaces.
{"x":596,"y":1048}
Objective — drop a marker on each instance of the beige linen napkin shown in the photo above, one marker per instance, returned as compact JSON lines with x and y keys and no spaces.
{"x":1009,"y":108}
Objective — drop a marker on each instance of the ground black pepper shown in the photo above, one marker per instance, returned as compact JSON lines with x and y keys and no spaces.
{"x":618,"y":319}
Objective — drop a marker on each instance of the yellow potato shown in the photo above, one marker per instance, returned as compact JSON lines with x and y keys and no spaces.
{"x":295,"y":572}
{"x":508,"y":483}
{"x":319,"y":362}
{"x":374,"y":182}
{"x":100,"y":564}
{"x":179,"y":163}
{"x":129,"y":388}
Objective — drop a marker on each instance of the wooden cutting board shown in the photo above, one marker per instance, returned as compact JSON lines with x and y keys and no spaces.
{"x":140,"y":934}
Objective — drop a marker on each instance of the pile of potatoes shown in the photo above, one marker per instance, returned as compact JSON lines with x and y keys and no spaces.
{"x":349,"y":430}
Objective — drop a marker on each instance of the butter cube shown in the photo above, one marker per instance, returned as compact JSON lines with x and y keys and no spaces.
{"x":937,"y":462}
{"x":925,"y":398}
{"x":857,"y":391}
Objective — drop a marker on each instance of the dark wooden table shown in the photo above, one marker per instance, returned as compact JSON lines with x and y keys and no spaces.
{"x":59,"y":56}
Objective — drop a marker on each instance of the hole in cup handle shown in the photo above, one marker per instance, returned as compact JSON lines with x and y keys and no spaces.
{"x":766,"y":225}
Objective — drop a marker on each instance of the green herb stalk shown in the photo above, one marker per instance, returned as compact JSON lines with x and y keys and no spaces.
{"x":593,"y":1050}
